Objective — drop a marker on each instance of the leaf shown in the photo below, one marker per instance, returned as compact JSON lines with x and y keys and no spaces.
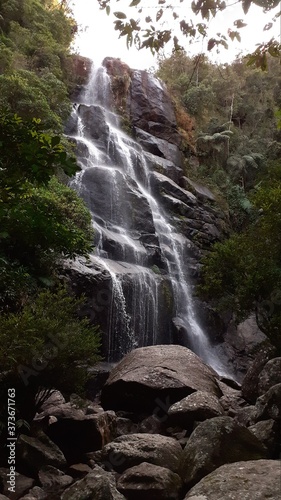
{"x":159,"y":14}
{"x":268,"y":26}
{"x":107,"y":10}
{"x":246,"y":4}
{"x":134,"y":3}
{"x":119,"y":15}
{"x":239,"y":23}
{"x":148,"y":19}
{"x":211,"y":44}
{"x":55,"y":141}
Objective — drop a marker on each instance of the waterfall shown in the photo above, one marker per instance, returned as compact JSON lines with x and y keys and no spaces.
{"x":135,"y":241}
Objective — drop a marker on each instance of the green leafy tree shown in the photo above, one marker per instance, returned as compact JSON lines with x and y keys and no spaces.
{"x":243,"y":274}
{"x":41,"y":219}
{"x":45,"y":346}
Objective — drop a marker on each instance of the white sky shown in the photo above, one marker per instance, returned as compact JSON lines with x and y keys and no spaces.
{"x":98,"y":39}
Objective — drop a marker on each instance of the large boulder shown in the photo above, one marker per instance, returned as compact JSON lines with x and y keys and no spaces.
{"x":153,"y":378}
{"x":147,"y":481}
{"x":252,"y":480}
{"x":250,"y":390}
{"x":268,"y":433}
{"x":198,"y":406}
{"x":33,"y":454}
{"x":97,"y":485}
{"x":76,"y":435}
{"x":215,"y":442}
{"x":269,"y":405}
{"x":22,"y":484}
{"x":128,"y":451}
{"x":241,"y":343}
{"x":269,"y":376}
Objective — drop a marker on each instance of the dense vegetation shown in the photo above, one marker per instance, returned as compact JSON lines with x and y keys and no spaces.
{"x":235,"y":111}
{"x":41,"y":219}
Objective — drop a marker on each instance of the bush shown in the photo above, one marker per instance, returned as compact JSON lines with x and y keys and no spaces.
{"x":46,"y":346}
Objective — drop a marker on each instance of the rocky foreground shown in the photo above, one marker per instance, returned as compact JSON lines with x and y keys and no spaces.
{"x":164,"y":426}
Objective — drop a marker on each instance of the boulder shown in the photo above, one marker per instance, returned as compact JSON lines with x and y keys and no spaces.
{"x":151,"y":379}
{"x":33,"y":454}
{"x":97,"y":485}
{"x":241,"y":343}
{"x":36,"y":493}
{"x":250,"y":383}
{"x":79,"y":470}
{"x":269,"y":376}
{"x":252,"y":480}
{"x":147,"y":481}
{"x":198,"y":406}
{"x":77,"y":435}
{"x":52,"y":479}
{"x":23,"y":484}
{"x":215,"y":442}
{"x":269,"y":405}
{"x":131,"y":450}
{"x":268,"y":433}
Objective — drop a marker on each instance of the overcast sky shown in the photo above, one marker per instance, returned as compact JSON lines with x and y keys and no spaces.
{"x":98,"y":39}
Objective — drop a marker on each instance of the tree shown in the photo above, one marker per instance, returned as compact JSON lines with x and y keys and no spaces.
{"x":146,"y":34}
{"x":243,"y":274}
{"x":41,"y":219}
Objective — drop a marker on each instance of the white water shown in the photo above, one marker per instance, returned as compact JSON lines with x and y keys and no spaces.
{"x":123,"y":163}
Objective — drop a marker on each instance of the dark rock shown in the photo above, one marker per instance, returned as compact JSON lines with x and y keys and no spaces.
{"x":247,"y":416}
{"x":269,"y":376}
{"x":52,"y":479}
{"x":97,"y":485}
{"x":159,"y":147}
{"x":162,"y":184}
{"x":198,"y":406}
{"x":163,"y":166}
{"x":78,"y":435}
{"x":152,"y":425}
{"x":252,"y":480}
{"x":79,"y":470}
{"x":153,"y":378}
{"x":150,"y":107}
{"x":268,"y":406}
{"x":125,"y":426}
{"x":241,"y":343}
{"x":215,"y":442}
{"x":268,"y":433}
{"x":131,"y":450}
{"x":36,"y":493}
{"x":251,"y":380}
{"x":202,"y":193}
{"x":23,"y":484}
{"x":33,"y":454}
{"x":147,"y":481}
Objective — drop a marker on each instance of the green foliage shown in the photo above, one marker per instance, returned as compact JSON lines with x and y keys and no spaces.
{"x":45,"y":346}
{"x":244,"y":272}
{"x":40,"y":218}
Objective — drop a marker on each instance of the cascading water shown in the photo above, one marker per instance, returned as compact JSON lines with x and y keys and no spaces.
{"x":135,"y":242}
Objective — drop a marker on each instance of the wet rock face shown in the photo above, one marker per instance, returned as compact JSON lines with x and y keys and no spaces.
{"x":151,"y":107}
